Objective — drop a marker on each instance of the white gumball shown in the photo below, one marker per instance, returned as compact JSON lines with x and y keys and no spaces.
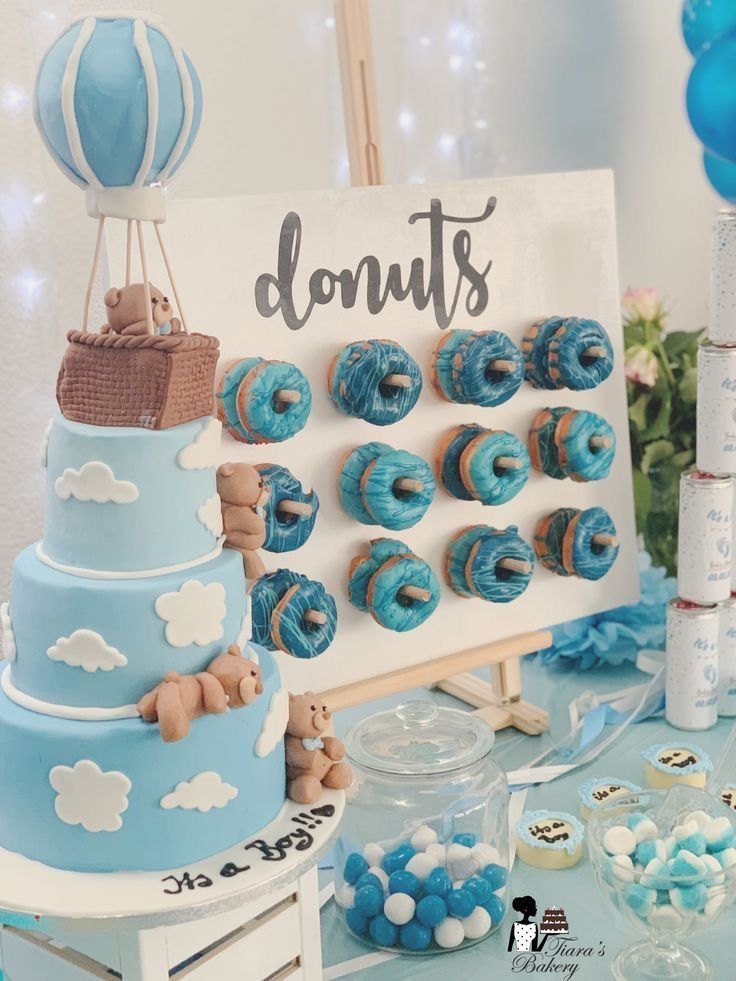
{"x":439,"y":853}
{"x":380,"y":875}
{"x":345,"y":896}
{"x":423,"y":837}
{"x":460,"y":861}
{"x":373,"y":853}
{"x":485,"y":855}
{"x":450,"y":933}
{"x":399,"y":908}
{"x":619,"y":840}
{"x":477,"y":924}
{"x":421,"y":865}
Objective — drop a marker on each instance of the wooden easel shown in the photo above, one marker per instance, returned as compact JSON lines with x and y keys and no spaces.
{"x":498,"y":701}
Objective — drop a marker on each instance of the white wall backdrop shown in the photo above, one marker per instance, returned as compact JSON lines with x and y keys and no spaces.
{"x":466,"y":87}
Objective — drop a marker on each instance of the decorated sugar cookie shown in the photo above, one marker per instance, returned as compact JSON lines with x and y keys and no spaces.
{"x":549,"y":839}
{"x":728,"y":795}
{"x":600,"y":790}
{"x":669,"y":763}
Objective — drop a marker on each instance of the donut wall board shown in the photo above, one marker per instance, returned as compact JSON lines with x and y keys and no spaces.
{"x":274,"y":277}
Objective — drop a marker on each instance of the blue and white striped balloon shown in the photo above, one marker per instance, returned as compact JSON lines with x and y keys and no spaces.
{"x":118,"y":102}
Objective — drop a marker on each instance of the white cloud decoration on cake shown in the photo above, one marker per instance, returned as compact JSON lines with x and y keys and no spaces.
{"x":193,"y":614}
{"x":90,"y":796}
{"x":210,"y":514}
{"x":204,"y":450}
{"x":246,"y":628}
{"x":88,"y":650}
{"x":203,"y":792}
{"x":274,"y":724}
{"x":95,"y":481}
{"x":9,"y":650}
{"x":43,"y":450}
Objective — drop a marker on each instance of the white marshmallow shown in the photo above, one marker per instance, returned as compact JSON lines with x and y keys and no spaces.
{"x":373,"y":853}
{"x":685,"y":829}
{"x":714,"y":903}
{"x":623,"y":868}
{"x":382,"y":876}
{"x":345,"y":897}
{"x":716,"y":875}
{"x":439,"y":853}
{"x":477,"y":924}
{"x":449,"y":933}
{"x":421,"y":865}
{"x":485,"y":855}
{"x":670,"y":845}
{"x":399,"y":908}
{"x":423,"y":837}
{"x":645,"y":830}
{"x":460,"y":861}
{"x":701,"y":818}
{"x":618,"y":840}
{"x":716,"y":830}
{"x":665,"y":917}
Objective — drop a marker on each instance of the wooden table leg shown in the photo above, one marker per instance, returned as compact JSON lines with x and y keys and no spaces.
{"x":144,"y":955}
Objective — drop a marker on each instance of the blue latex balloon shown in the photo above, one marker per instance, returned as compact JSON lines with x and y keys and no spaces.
{"x":117,"y":101}
{"x":722,"y":175}
{"x":711,"y":97}
{"x":703,"y":21}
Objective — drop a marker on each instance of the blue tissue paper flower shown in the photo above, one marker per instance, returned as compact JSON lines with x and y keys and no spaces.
{"x":617,"y":635}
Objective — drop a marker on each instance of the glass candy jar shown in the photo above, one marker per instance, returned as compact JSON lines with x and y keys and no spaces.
{"x":422,"y":860}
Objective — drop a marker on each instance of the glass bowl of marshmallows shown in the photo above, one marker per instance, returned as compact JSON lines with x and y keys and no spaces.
{"x":667,"y":860}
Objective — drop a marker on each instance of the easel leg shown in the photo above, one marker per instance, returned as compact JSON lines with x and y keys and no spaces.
{"x":144,"y":955}
{"x":311,"y":945}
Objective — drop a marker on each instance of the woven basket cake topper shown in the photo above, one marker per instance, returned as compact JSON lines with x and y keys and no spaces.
{"x":118,"y":104}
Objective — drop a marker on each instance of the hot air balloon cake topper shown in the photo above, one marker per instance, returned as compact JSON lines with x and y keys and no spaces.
{"x":118,"y":104}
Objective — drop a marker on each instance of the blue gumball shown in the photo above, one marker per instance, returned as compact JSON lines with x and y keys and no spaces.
{"x":368,"y":901}
{"x":496,"y":909}
{"x":711,"y":97}
{"x":383,"y":932}
{"x":415,"y":936}
{"x":355,"y":866}
{"x":356,"y":921}
{"x":461,"y":902}
{"x":703,"y":21}
{"x":438,"y":883}
{"x":480,"y":888}
{"x":397,"y":859}
{"x":403,"y":881}
{"x":369,"y":879}
{"x":722,"y":175}
{"x":431,"y":910}
{"x":496,"y":875}
{"x":467,"y":838}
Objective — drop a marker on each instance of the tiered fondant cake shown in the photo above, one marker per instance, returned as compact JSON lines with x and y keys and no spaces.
{"x":554,"y":921}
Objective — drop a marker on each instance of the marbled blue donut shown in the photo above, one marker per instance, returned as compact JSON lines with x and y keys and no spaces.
{"x":292,"y":632}
{"x":351,"y":473}
{"x":363,"y":567}
{"x":580,"y":460}
{"x":386,"y":603}
{"x":549,"y":535}
{"x":388,"y":505}
{"x":535,"y":347}
{"x":568,"y":366}
{"x":580,"y":554}
{"x":265,"y":595}
{"x":542,"y":447}
{"x":285,"y":531}
{"x":227,"y":395}
{"x":448,"y":459}
{"x":356,"y":381}
{"x":486,"y":578}
{"x":456,"y":557}
{"x":485,"y":482}
{"x":441,"y":367}
{"x":262,"y":418}
{"x":474,"y":379}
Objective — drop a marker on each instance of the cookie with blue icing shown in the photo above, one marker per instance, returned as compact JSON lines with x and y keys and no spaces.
{"x":499,"y":566}
{"x":589,"y":544}
{"x":487,"y":368}
{"x":580,"y":355}
{"x":549,"y":839}
{"x":287,"y":528}
{"x":484,"y":472}
{"x":265,"y":595}
{"x":666,"y":764}
{"x":273,"y":402}
{"x":586,"y":445}
{"x":362,"y":568}
{"x":386,"y":493}
{"x":448,"y":456}
{"x":375,"y":380}
{"x":227,"y":395}
{"x":387,"y":598}
{"x":600,"y":790}
{"x":535,"y":348}
{"x":304,"y":622}
{"x":352,"y":467}
{"x":543,"y":452}
{"x":548,"y":537}
{"x":440,"y":371}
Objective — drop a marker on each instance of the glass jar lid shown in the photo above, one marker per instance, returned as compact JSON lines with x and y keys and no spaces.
{"x":419,"y":737}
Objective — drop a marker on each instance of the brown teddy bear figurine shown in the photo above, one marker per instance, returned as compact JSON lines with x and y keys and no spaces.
{"x":312,"y":759}
{"x":240,"y":678}
{"x":179,"y":699}
{"x":242,"y":492}
{"x":126,"y":311}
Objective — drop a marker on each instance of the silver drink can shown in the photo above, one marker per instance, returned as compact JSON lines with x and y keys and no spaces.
{"x":722,"y":329}
{"x":727,"y":657}
{"x":691,"y":665}
{"x":704,"y":537}
{"x":715,"y":450}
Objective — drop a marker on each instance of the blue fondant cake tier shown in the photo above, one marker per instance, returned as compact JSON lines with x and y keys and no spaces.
{"x":105,"y":642}
{"x":122,"y":499}
{"x":107,"y":796}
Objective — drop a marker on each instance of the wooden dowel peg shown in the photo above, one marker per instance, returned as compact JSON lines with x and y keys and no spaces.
{"x":417,"y":593}
{"x":288,"y":395}
{"x":397,"y":381}
{"x":502,"y":365}
{"x":516,"y":565}
{"x":605,"y":539}
{"x":603,"y":441}
{"x":409,"y":484}
{"x":594,"y":352}
{"x":508,"y":463}
{"x":295,"y":507}
{"x":316,"y":616}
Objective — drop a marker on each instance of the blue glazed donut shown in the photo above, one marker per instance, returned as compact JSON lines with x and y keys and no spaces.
{"x":292,"y":631}
{"x":481,"y":475}
{"x":352,"y":468}
{"x":227,"y":395}
{"x":486,"y":577}
{"x":569,"y":366}
{"x":448,"y":459}
{"x":357,"y":381}
{"x":456,"y":557}
{"x":474,"y":378}
{"x":441,"y":365}
{"x":362,"y":568}
{"x":548,"y":538}
{"x":581,"y":555}
{"x":577,"y":456}
{"x":542,"y":447}
{"x":265,"y":595}
{"x":389,"y":505}
{"x":534,"y":346}
{"x":263,"y":418}
{"x":388,"y":606}
{"x":286,"y":531}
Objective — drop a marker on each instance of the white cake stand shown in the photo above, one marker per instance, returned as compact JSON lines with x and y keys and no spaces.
{"x":254,"y":903}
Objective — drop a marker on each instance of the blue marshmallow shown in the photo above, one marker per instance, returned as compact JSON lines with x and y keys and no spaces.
{"x":415,"y":936}
{"x":438,"y":883}
{"x":496,"y":875}
{"x":431,"y":911}
{"x":693,"y":842}
{"x":656,"y":875}
{"x":383,"y":932}
{"x":639,"y":898}
{"x":649,"y":850}
{"x":368,"y":901}
{"x":719,"y":834}
{"x":689,"y":899}
{"x":355,"y":866}
{"x":461,"y":902}
{"x":405,"y":882}
{"x":467,"y":839}
{"x":685,"y":863}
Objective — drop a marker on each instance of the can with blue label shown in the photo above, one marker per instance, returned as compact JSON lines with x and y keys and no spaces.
{"x":715,"y":447}
{"x":704,"y":540}
{"x":727,"y":657}
{"x":691,"y":665}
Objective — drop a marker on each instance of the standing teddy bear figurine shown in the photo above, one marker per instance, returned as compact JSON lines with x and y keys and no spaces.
{"x":243,"y":495}
{"x":126,"y":311}
{"x":313,"y":760}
